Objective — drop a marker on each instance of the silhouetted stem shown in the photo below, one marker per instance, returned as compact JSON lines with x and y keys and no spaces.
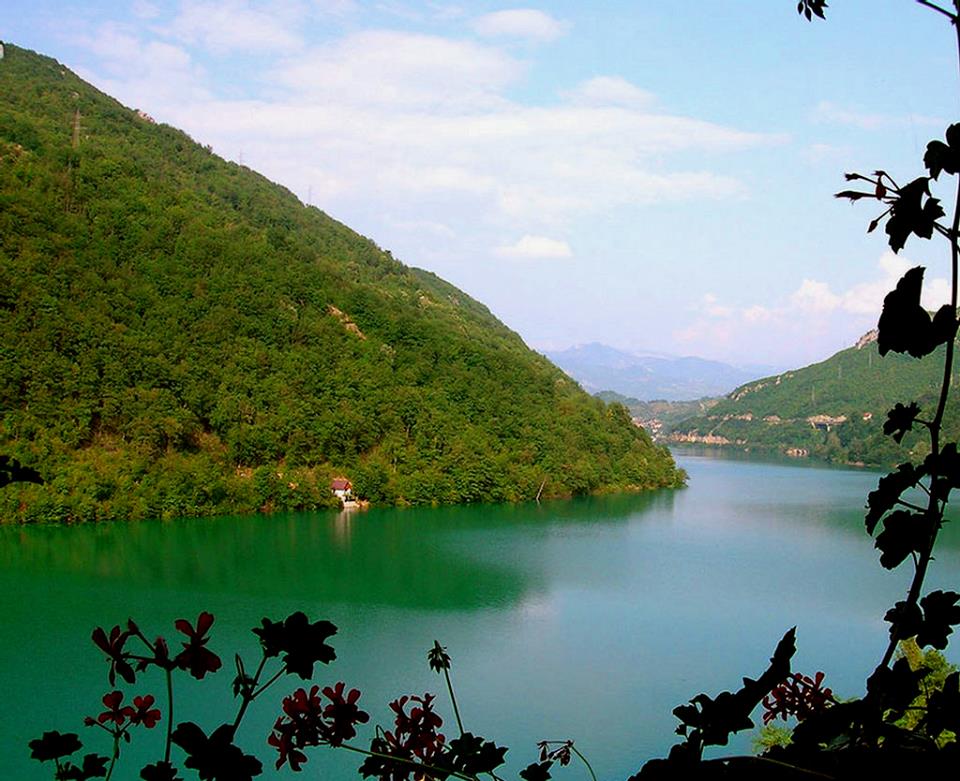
{"x":774,"y":764}
{"x":584,"y":760}
{"x":113,"y":758}
{"x":453,"y":699}
{"x":248,"y":698}
{"x":166,"y":750}
{"x":421,"y":765}
{"x":934,"y":510}
{"x":938,"y":9}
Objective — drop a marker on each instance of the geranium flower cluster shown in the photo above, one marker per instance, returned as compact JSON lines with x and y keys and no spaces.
{"x":308,"y":721}
{"x":413,"y":739}
{"x":799,"y":695}
{"x":195,"y":656}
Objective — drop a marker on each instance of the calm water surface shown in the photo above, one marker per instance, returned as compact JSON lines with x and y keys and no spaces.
{"x":588,"y":619}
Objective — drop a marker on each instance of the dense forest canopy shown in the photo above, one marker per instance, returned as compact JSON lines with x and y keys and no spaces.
{"x":181,"y":336}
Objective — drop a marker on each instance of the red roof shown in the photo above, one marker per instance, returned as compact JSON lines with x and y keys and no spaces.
{"x":340,"y":484}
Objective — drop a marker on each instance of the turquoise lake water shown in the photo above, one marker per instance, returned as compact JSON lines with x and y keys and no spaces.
{"x":589,"y":619}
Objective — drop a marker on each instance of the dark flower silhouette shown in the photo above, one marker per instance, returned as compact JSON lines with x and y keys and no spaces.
{"x":283,"y":739}
{"x":215,"y":758}
{"x":798,"y":695}
{"x":438,"y":658}
{"x":143,"y":713}
{"x":54,"y":745}
{"x":113,"y":711}
{"x":342,"y":713}
{"x":306,"y":721}
{"x":195,"y":656}
{"x":112,"y":646}
{"x":415,"y":738}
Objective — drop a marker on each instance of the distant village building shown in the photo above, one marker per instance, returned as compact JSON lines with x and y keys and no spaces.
{"x":1,"y":51}
{"x":342,"y":488}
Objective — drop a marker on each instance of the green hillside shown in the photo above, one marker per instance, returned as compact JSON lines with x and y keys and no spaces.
{"x":833,"y":410}
{"x":180,"y":336}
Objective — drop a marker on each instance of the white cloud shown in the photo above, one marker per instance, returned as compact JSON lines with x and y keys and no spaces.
{"x":415,"y":126}
{"x":143,"y":9}
{"x":814,"y":318}
{"x":154,"y":75}
{"x":225,"y":26}
{"x":335,"y":7}
{"x":535,"y":248}
{"x":825,"y":111}
{"x":388,"y":68}
{"x":519,"y":23}
{"x":610,"y":91}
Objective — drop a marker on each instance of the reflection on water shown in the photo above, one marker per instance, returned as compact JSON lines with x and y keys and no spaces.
{"x":449,"y":558}
{"x":590,"y":618}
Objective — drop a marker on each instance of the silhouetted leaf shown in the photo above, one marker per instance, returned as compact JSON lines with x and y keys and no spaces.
{"x":943,"y":707}
{"x":889,"y":490}
{"x":946,"y":467}
{"x":903,"y":533}
{"x":472,"y":755}
{"x":536,"y":771}
{"x":710,"y":721}
{"x":94,"y":766}
{"x":900,"y":420}
{"x":54,"y":745}
{"x":895,"y":688}
{"x":303,"y":643}
{"x":853,"y":195}
{"x":160,"y":771}
{"x":810,"y":8}
{"x":940,"y":614}
{"x":910,"y":213}
{"x":944,"y":325}
{"x":215,"y":758}
{"x":905,"y":620}
{"x":905,"y":326}
{"x":944,"y":157}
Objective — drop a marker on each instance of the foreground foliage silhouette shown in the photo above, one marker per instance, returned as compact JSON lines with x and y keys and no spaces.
{"x":835,"y":740}
{"x":327,"y":716}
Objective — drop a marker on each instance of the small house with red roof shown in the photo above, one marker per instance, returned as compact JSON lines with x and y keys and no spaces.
{"x":342,"y":488}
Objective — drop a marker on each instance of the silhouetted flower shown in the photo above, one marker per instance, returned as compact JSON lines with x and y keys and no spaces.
{"x":195,"y":657}
{"x":415,"y":738}
{"x":799,"y":695}
{"x":560,"y":754}
{"x":283,"y":739}
{"x":308,"y":722}
{"x":112,"y":646}
{"x":342,"y":713}
{"x":438,"y":658}
{"x":142,"y":713}
{"x":215,"y":758}
{"x":54,"y":745}
{"x":114,"y":712}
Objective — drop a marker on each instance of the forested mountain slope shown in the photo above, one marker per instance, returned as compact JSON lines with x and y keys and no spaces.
{"x":834,"y":409}
{"x":181,"y":336}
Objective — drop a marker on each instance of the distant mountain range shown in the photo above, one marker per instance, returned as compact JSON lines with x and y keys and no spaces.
{"x":651,"y":376}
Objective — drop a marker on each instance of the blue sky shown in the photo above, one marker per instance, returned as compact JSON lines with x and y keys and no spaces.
{"x":653,"y":175}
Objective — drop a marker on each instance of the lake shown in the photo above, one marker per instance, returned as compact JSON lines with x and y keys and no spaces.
{"x":589,"y":619}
